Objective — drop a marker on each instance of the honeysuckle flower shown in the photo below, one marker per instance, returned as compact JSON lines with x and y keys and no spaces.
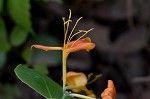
{"x":77,"y":81}
{"x":70,"y":46}
{"x":110,"y":91}
{"x":83,"y":44}
{"x":73,"y":46}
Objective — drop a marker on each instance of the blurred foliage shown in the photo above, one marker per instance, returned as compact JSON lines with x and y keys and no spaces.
{"x":1,"y":5}
{"x":41,"y":68}
{"x":19,"y":12}
{"x":2,"y":59}
{"x":26,"y":54}
{"x":16,"y":37}
{"x":9,"y":91}
{"x":4,"y":45}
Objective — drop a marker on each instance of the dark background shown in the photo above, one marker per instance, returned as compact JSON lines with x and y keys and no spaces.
{"x":122,"y":53}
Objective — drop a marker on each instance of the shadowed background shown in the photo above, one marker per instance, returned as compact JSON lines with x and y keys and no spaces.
{"x":121,"y":34}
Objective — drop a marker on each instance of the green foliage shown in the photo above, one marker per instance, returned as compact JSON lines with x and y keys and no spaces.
{"x":19,"y":12}
{"x":2,"y":59}
{"x":4,"y":45}
{"x":1,"y":5}
{"x":39,"y":82}
{"x":26,"y":54}
{"x":18,"y":36}
{"x":9,"y":91}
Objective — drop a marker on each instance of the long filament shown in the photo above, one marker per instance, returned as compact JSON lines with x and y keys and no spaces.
{"x":73,"y":29}
{"x":82,"y":36}
{"x":74,"y":35}
{"x":66,"y":26}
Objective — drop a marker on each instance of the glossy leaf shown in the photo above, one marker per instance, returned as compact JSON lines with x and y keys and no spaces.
{"x":19,"y":11}
{"x":39,"y":82}
{"x":18,"y":36}
{"x":2,"y":59}
{"x":4,"y":45}
{"x":1,"y":5}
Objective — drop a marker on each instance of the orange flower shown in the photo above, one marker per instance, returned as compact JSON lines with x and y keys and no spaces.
{"x":83,"y":44}
{"x":73,"y":46}
{"x":77,"y":82}
{"x":70,"y":46}
{"x":110,"y":91}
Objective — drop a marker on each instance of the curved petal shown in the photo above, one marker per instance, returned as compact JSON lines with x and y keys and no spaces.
{"x":46,"y":48}
{"x":83,"y":44}
{"x":79,"y":81}
{"x":76,"y":79}
{"x":110,"y":91}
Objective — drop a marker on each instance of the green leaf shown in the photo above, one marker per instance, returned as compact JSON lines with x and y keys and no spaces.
{"x":4,"y":45}
{"x":39,"y":82}
{"x":18,"y":36}
{"x":19,"y":11}
{"x":1,"y":5}
{"x":2,"y":59}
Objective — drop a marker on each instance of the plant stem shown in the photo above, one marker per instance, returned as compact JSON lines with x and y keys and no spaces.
{"x":64,"y":68}
{"x":81,"y":96}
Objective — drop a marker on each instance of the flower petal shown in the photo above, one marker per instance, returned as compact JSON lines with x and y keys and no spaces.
{"x":83,"y":44}
{"x":46,"y":48}
{"x":76,"y":79}
{"x":110,"y":91}
{"x":79,"y":81}
{"x":88,"y":92}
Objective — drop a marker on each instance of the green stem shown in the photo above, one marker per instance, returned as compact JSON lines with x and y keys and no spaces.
{"x":64,"y":68}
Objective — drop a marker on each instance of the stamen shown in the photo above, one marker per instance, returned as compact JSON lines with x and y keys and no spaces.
{"x":73,"y":29}
{"x":67,"y":22}
{"x":73,"y":36}
{"x":82,"y":36}
{"x":96,"y":77}
{"x":69,"y":13}
{"x":66,"y":26}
